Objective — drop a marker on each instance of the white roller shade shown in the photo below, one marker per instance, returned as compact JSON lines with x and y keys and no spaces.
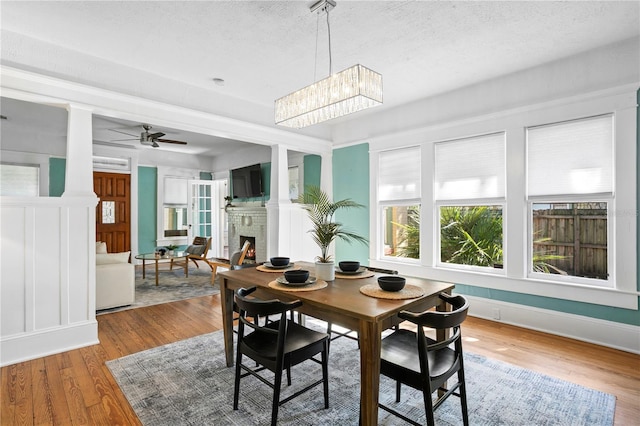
{"x":399,"y":174}
{"x":574,"y":157}
{"x":175,"y":191}
{"x":470,"y":168}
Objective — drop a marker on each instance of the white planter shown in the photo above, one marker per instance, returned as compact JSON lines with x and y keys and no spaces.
{"x":325,"y":271}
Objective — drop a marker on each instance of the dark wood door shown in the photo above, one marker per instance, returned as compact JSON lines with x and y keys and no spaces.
{"x":113,"y":213}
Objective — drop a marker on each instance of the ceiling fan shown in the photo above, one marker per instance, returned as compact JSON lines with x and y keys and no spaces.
{"x":147,"y":138}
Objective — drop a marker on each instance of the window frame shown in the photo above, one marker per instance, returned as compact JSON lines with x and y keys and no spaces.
{"x":622,"y":103}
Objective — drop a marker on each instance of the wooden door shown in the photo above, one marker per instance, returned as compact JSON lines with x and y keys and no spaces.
{"x":113,"y":213}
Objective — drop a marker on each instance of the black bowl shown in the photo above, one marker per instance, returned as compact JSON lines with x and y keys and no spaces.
{"x":349,"y":266}
{"x":279,"y":261}
{"x":391,"y":282}
{"x":296,"y":276}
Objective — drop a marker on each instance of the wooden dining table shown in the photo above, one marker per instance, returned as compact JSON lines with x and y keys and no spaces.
{"x":341,"y":303}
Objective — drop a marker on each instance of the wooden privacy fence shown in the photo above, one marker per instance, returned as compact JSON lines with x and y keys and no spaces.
{"x":578,"y":237}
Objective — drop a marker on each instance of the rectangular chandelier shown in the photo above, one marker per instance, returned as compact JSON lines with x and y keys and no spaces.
{"x":343,"y":93}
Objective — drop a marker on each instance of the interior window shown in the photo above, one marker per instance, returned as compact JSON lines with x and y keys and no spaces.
{"x":175,"y":221}
{"x":21,"y":180}
{"x":399,"y":197}
{"x":569,"y":196}
{"x":470,"y":195}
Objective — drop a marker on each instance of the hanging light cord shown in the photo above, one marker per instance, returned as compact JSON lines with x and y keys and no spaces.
{"x":315,"y":64}
{"x":329,"y":32}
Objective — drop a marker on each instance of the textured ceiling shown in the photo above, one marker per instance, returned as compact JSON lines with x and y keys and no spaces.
{"x":266,"y":49}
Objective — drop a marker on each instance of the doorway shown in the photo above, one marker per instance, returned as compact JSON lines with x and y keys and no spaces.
{"x":113,"y":212}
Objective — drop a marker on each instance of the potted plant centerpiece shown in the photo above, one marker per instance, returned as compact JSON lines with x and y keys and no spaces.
{"x":325,"y":230}
{"x":172,"y":248}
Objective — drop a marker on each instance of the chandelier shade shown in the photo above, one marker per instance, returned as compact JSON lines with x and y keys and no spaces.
{"x":348,"y":91}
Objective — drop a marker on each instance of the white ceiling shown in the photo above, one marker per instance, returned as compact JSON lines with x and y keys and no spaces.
{"x":266,"y":49}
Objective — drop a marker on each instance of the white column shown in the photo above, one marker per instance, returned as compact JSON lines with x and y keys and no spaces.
{"x":277,"y":234}
{"x":79,"y":167}
{"x":279,"y":176}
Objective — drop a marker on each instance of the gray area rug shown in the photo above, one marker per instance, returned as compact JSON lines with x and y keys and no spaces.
{"x":172,"y":286}
{"x":188,"y":383}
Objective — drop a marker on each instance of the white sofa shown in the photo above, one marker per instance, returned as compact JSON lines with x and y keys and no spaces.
{"x":115,"y":278}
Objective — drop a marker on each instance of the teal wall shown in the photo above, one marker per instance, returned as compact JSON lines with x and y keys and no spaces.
{"x":312,"y":166}
{"x":351,"y":180}
{"x":147,"y":208}
{"x":56,"y":176}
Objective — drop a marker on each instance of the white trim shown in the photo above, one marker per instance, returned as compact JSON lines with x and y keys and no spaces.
{"x":592,"y":330}
{"x":32,"y":87}
{"x":28,"y":346}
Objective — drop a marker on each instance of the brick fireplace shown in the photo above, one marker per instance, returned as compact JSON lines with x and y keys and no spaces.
{"x":248,"y":223}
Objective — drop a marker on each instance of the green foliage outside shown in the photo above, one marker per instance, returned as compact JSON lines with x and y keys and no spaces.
{"x":471,"y":235}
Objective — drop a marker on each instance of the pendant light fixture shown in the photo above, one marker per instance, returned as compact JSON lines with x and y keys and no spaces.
{"x":348,"y":91}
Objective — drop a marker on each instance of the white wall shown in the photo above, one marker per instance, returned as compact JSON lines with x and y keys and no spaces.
{"x":47,"y":276}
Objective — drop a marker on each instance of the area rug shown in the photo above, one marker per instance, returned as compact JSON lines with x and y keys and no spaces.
{"x":188,"y":383}
{"x":172,"y":286}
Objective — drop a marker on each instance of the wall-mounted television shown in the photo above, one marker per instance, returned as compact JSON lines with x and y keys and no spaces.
{"x":247,"y":182}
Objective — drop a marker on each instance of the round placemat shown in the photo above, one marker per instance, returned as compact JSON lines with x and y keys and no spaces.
{"x":315,"y":286}
{"x":408,"y":292}
{"x":365,"y":274}
{"x":263,"y":268}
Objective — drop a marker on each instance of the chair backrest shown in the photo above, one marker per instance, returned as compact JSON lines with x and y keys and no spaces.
{"x":200,"y":247}
{"x":441,"y":319}
{"x":256,"y":308}
{"x":238,"y":257}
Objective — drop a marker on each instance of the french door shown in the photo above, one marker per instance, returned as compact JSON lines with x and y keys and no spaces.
{"x":205,"y":213}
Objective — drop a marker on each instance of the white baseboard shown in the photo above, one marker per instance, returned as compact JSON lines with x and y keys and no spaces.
{"x":28,"y":346}
{"x":601,"y":332}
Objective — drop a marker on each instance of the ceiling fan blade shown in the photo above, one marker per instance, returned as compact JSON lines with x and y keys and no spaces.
{"x":155,"y":135}
{"x":171,"y":141}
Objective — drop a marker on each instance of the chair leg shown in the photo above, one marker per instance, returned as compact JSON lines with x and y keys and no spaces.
{"x":195,"y":263}
{"x":214,"y":268}
{"x":276,"y":396}
{"x":463,"y":397}
{"x":325,"y":373}
{"x":428,"y":407}
{"x":236,"y":386}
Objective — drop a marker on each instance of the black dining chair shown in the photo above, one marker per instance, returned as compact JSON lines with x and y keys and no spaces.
{"x":413,"y":359}
{"x":276,"y":346}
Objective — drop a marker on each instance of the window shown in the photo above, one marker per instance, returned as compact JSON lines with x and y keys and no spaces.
{"x":175,"y":207}
{"x":19,"y":180}
{"x":569,"y":193}
{"x":470,"y":195}
{"x":399,"y":196}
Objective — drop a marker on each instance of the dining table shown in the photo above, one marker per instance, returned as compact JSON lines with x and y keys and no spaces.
{"x":353,"y":302}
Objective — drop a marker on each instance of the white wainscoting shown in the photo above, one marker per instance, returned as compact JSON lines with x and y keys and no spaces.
{"x":601,"y":332}
{"x":47,"y":273}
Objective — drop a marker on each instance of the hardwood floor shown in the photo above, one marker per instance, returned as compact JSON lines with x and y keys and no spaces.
{"x":76,"y":387}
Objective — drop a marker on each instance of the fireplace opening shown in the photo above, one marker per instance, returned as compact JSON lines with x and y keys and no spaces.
{"x":251,"y":253}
